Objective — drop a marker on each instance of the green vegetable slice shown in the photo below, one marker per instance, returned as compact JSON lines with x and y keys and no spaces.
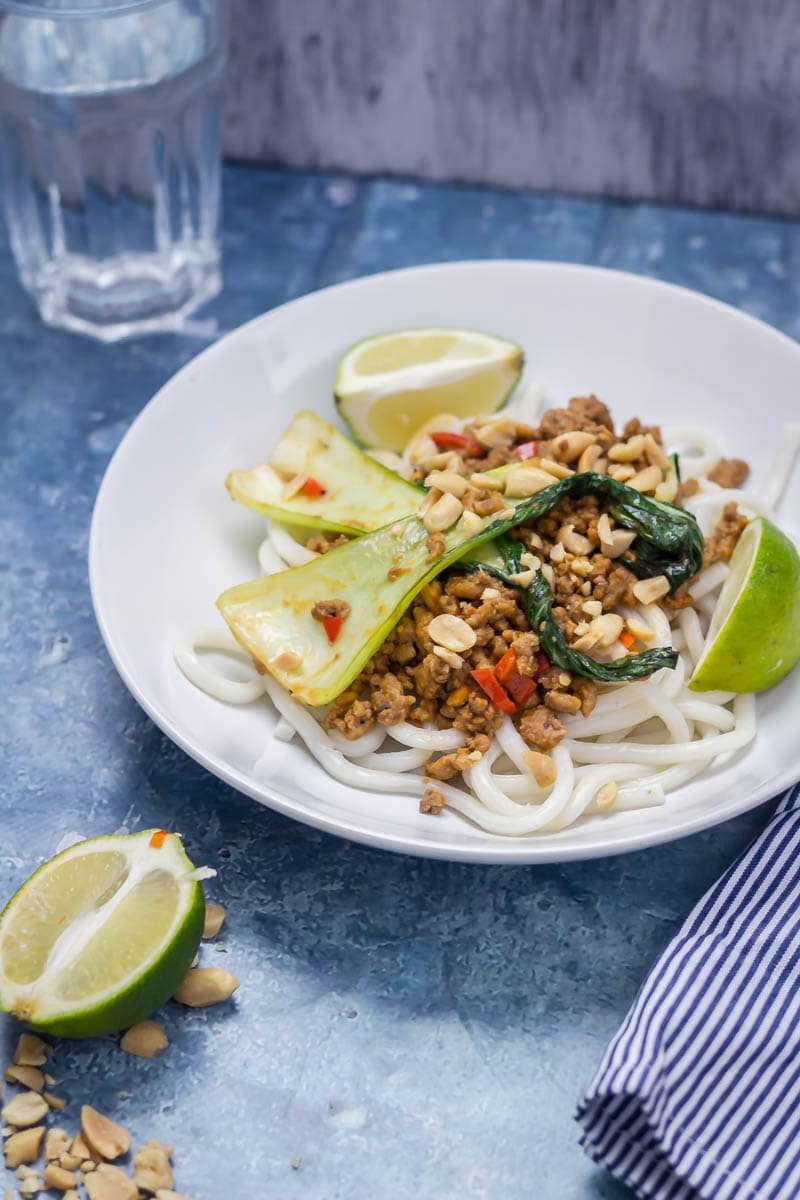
{"x":359,"y":494}
{"x":380,"y":573}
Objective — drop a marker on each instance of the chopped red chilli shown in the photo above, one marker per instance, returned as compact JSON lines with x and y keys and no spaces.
{"x":520,"y":687}
{"x":485,"y":679}
{"x":312,"y":487}
{"x":332,"y":627}
{"x":445,"y":440}
{"x":331,"y":614}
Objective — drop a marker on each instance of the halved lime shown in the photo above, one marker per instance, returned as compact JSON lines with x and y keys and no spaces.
{"x":754,"y":636}
{"x":389,"y":385}
{"x":100,"y":935}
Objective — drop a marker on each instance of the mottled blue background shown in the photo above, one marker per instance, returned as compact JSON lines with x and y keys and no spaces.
{"x":404,"y":1027}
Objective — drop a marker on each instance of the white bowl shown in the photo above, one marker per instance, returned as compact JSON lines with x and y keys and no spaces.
{"x":166,"y":539}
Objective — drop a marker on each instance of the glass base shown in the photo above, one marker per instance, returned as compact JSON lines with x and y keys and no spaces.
{"x":126,"y":296}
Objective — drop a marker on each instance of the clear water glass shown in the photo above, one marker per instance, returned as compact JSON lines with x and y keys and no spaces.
{"x":110,"y":158}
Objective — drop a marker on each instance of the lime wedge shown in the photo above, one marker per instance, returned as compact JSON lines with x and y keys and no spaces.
{"x":389,"y":385}
{"x":100,"y":935}
{"x":754,"y":636}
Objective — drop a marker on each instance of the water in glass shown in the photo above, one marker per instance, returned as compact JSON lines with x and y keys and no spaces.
{"x":110,"y":157}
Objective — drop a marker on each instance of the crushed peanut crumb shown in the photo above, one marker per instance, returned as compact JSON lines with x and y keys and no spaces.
{"x":110,"y":1183}
{"x":152,"y":1170}
{"x":30,"y":1077}
{"x":146,"y":1039}
{"x":215,"y":916}
{"x":103,"y":1136}
{"x":23,"y":1147}
{"x":204,"y":986}
{"x":28,"y":1108}
{"x":31,"y":1051}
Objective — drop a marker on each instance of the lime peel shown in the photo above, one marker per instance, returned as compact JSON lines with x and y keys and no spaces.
{"x":753,"y":640}
{"x":100,"y":935}
{"x":389,"y":385}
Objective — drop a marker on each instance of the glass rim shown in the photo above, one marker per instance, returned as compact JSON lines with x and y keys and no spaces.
{"x":74,"y":8}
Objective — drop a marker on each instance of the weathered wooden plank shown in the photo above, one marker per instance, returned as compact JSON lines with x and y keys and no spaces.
{"x":689,"y":101}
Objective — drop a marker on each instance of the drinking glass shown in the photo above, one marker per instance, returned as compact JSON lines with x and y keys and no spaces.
{"x":110,"y":158}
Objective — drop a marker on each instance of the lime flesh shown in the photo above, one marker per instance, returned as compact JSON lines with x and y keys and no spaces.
{"x":101,"y":935}
{"x":389,"y":385}
{"x":754,"y":636}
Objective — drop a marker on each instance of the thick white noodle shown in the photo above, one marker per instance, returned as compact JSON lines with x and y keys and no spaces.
{"x":396,"y":760}
{"x":284,"y":545}
{"x":214,"y":683}
{"x":782,"y":466}
{"x":268,"y":558}
{"x":697,"y":449}
{"x":709,"y":581}
{"x":707,"y":505}
{"x":626,"y":752}
{"x":284,"y":731}
{"x":692,"y":633}
{"x":368,"y":743}
{"x":427,"y":739}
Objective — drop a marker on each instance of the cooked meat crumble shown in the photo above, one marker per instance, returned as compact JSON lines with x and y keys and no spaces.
{"x":330,"y":608}
{"x":412,"y":678}
{"x":721,"y":543}
{"x":321,"y":545}
{"x":729,"y":472}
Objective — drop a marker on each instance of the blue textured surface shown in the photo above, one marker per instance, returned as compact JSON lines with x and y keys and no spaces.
{"x":404,"y":1027}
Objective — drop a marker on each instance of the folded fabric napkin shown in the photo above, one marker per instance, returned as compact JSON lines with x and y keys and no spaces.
{"x":699,"y":1092}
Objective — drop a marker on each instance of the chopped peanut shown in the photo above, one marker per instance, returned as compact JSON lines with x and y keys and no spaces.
{"x":204,"y":986}
{"x":570,"y":446}
{"x":59,"y":1178}
{"x":628,"y":452}
{"x":541,"y":767}
{"x":523,"y":482}
{"x":109,"y":1183}
{"x":605,"y":796}
{"x":23,"y":1147}
{"x":152,"y":1170}
{"x":104,"y":1137}
{"x":451,"y":632}
{"x":28,"y":1108}
{"x":31,"y":1051}
{"x":146,"y":1039}
{"x":30,"y":1077}
{"x":56,"y":1143}
{"x":443,"y":513}
{"x":648,"y":591}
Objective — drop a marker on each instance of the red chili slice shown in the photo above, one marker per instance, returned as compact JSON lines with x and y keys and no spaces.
{"x":484,"y":677}
{"x":332,"y":627}
{"x":158,"y":839}
{"x":444,"y":440}
{"x":506,"y":666}
{"x":521,"y":688}
{"x":527,"y":450}
{"x":312,"y":487}
{"x":542,"y":662}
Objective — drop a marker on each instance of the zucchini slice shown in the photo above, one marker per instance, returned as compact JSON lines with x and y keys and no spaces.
{"x":359,"y":494}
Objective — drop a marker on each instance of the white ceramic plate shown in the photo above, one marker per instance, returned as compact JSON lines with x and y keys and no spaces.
{"x":166,"y":539}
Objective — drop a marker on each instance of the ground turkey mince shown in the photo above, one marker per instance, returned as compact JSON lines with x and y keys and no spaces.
{"x":410,"y":678}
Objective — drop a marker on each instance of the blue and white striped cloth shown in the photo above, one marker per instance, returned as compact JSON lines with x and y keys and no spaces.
{"x":698,"y":1095}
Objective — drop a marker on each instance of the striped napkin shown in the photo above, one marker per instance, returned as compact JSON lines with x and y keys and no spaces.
{"x":698,"y":1094}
